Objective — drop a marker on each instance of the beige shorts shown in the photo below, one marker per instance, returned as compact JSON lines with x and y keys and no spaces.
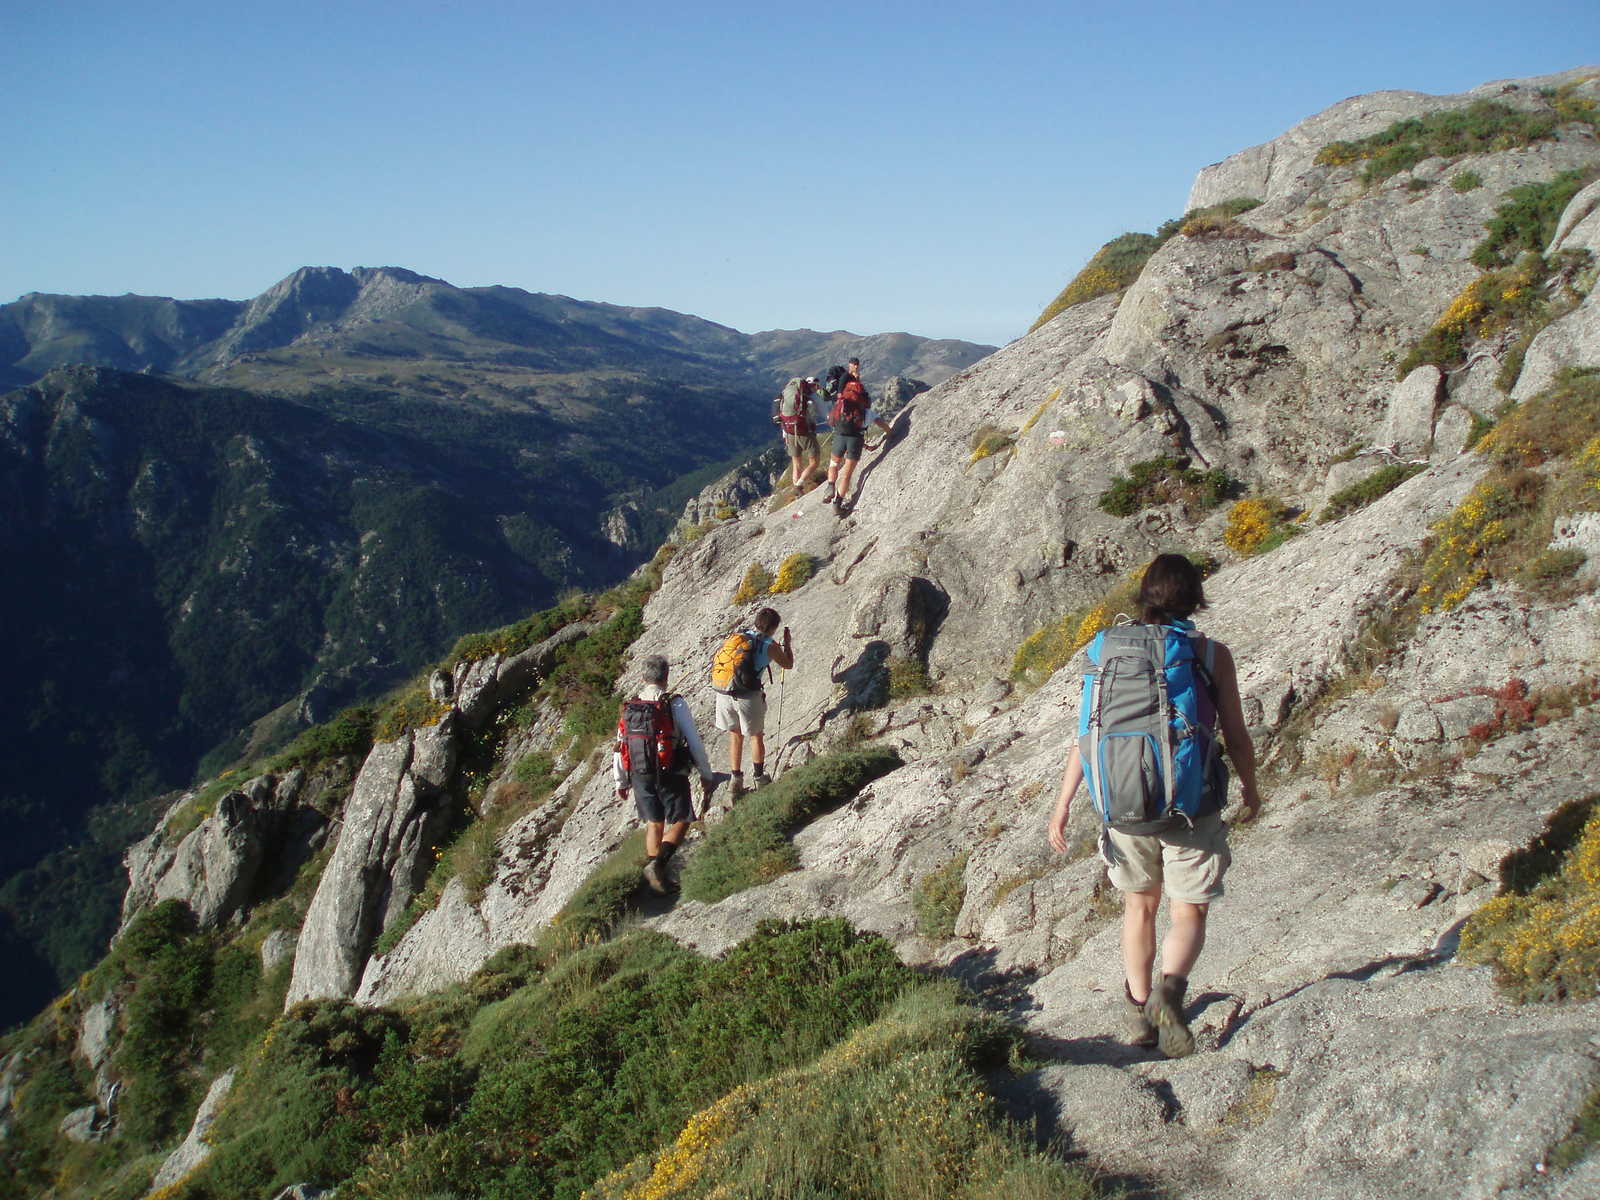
{"x":1188,"y":864}
{"x":747,"y":714}
{"x":802,"y":445}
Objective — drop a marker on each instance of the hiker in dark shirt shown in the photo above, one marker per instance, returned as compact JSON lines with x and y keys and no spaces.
{"x":851,"y":415}
{"x":1187,"y":861}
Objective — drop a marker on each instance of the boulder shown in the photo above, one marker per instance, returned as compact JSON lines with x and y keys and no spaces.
{"x":194,"y":1149}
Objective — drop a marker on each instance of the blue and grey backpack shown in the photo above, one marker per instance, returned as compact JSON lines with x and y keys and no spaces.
{"x":1147,"y":728}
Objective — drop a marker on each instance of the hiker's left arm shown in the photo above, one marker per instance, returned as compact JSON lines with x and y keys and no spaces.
{"x":1070,"y":779}
{"x":1241,"y":750}
{"x":683,"y":720}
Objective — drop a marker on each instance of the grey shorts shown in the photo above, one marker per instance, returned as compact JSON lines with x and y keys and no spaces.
{"x":802,"y":445}
{"x":848,"y":445}
{"x":747,"y":713}
{"x":672,"y":804}
{"x":1188,"y":864}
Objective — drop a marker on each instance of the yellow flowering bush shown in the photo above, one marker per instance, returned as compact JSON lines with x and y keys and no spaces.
{"x":1459,"y":557}
{"x":1257,"y":524}
{"x":1545,"y":943}
{"x":793,"y":572}
{"x":757,"y":582}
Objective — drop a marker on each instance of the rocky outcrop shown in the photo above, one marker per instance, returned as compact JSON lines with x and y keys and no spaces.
{"x":194,"y":1149}
{"x":385,"y":850}
{"x":250,"y":846}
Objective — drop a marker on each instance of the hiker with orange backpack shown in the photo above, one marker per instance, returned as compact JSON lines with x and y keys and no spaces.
{"x":798,"y":412}
{"x":657,"y":741}
{"x":852,"y":413}
{"x":741,"y":700}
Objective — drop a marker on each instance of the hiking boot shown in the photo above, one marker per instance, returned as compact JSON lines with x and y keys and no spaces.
{"x":1136,"y":1027}
{"x":760,"y":779}
{"x":1165,"y":1010}
{"x":655,"y":876}
{"x":828,"y":493}
{"x":735,"y":785}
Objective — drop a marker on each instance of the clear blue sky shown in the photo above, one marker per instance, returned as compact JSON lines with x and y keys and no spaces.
{"x":868,"y":166}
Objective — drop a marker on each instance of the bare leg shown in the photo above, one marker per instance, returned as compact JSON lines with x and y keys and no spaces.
{"x":758,"y":751}
{"x":1139,"y":940}
{"x":652,"y":838}
{"x":673,"y":835}
{"x":844,"y":478}
{"x":735,"y":749}
{"x":1185,"y":939}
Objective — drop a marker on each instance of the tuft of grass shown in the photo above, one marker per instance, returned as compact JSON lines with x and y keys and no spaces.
{"x":757,"y":582}
{"x":1466,"y":181}
{"x":752,"y":845}
{"x":988,"y":440}
{"x":938,"y":897}
{"x":908,"y":677}
{"x":1364,"y":491}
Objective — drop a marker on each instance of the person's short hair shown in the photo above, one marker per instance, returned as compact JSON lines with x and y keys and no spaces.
{"x":655,"y":670}
{"x":855,"y":362}
{"x":767,"y":620}
{"x":1170,"y":590}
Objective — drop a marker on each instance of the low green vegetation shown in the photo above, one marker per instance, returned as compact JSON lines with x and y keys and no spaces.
{"x":757,"y":582}
{"x":1465,"y":181}
{"x":1482,"y":127}
{"x":938,"y":897}
{"x":1121,"y":260}
{"x":1526,"y":221}
{"x":1364,"y":491}
{"x":1047,"y":650}
{"x":1165,"y":481}
{"x":908,"y":677}
{"x":1542,"y":934}
{"x":1546,"y":454}
{"x":794,"y":572}
{"x":753,"y":844}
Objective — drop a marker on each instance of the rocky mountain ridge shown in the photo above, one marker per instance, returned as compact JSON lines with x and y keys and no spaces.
{"x":1421,"y":717}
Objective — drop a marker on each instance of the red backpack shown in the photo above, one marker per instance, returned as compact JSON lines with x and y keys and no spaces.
{"x":849,"y":415}
{"x":647,"y":738}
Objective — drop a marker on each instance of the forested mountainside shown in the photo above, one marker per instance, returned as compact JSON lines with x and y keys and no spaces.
{"x":1358,"y":382}
{"x":376,"y":464}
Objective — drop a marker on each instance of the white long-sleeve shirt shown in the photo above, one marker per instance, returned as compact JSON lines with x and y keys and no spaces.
{"x":683,"y":721}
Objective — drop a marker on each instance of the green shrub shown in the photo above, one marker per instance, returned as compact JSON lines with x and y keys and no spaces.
{"x":1481,"y":127}
{"x":1466,"y":181}
{"x":908,"y":677}
{"x":1217,"y":220}
{"x":1364,"y":491}
{"x":348,"y":735}
{"x":938,"y":897}
{"x":1493,"y":302}
{"x":1527,"y":220}
{"x":1163,"y":481}
{"x":752,"y":844}
{"x":898,"y":1110}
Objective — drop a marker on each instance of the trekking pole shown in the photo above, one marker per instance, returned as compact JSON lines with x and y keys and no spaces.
{"x":783,"y":677}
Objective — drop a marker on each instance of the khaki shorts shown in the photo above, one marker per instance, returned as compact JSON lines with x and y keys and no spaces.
{"x":802,"y":445}
{"x":1187,"y":863}
{"x":747,"y":714}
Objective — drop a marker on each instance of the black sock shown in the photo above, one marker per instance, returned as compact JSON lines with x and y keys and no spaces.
{"x":761,"y":770}
{"x":664,"y":855}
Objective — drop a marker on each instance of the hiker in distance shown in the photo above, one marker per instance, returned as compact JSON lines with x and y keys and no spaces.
{"x":656,"y":743}
{"x":798,"y":413}
{"x":741,"y":700}
{"x":1158,"y":689}
{"x":852,"y":413}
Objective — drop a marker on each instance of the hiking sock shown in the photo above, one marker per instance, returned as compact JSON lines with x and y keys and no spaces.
{"x":664,"y":855}
{"x":1165,"y":1010}
{"x":760,"y":775}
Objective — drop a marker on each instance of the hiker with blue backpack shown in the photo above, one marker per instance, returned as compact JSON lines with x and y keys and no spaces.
{"x":657,"y":742}
{"x":1153,"y":698}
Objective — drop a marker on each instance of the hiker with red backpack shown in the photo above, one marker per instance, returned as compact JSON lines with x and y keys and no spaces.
{"x":852,"y":413}
{"x":1153,"y":697}
{"x":657,"y":742}
{"x":798,"y":412}
{"x":741,"y":701}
